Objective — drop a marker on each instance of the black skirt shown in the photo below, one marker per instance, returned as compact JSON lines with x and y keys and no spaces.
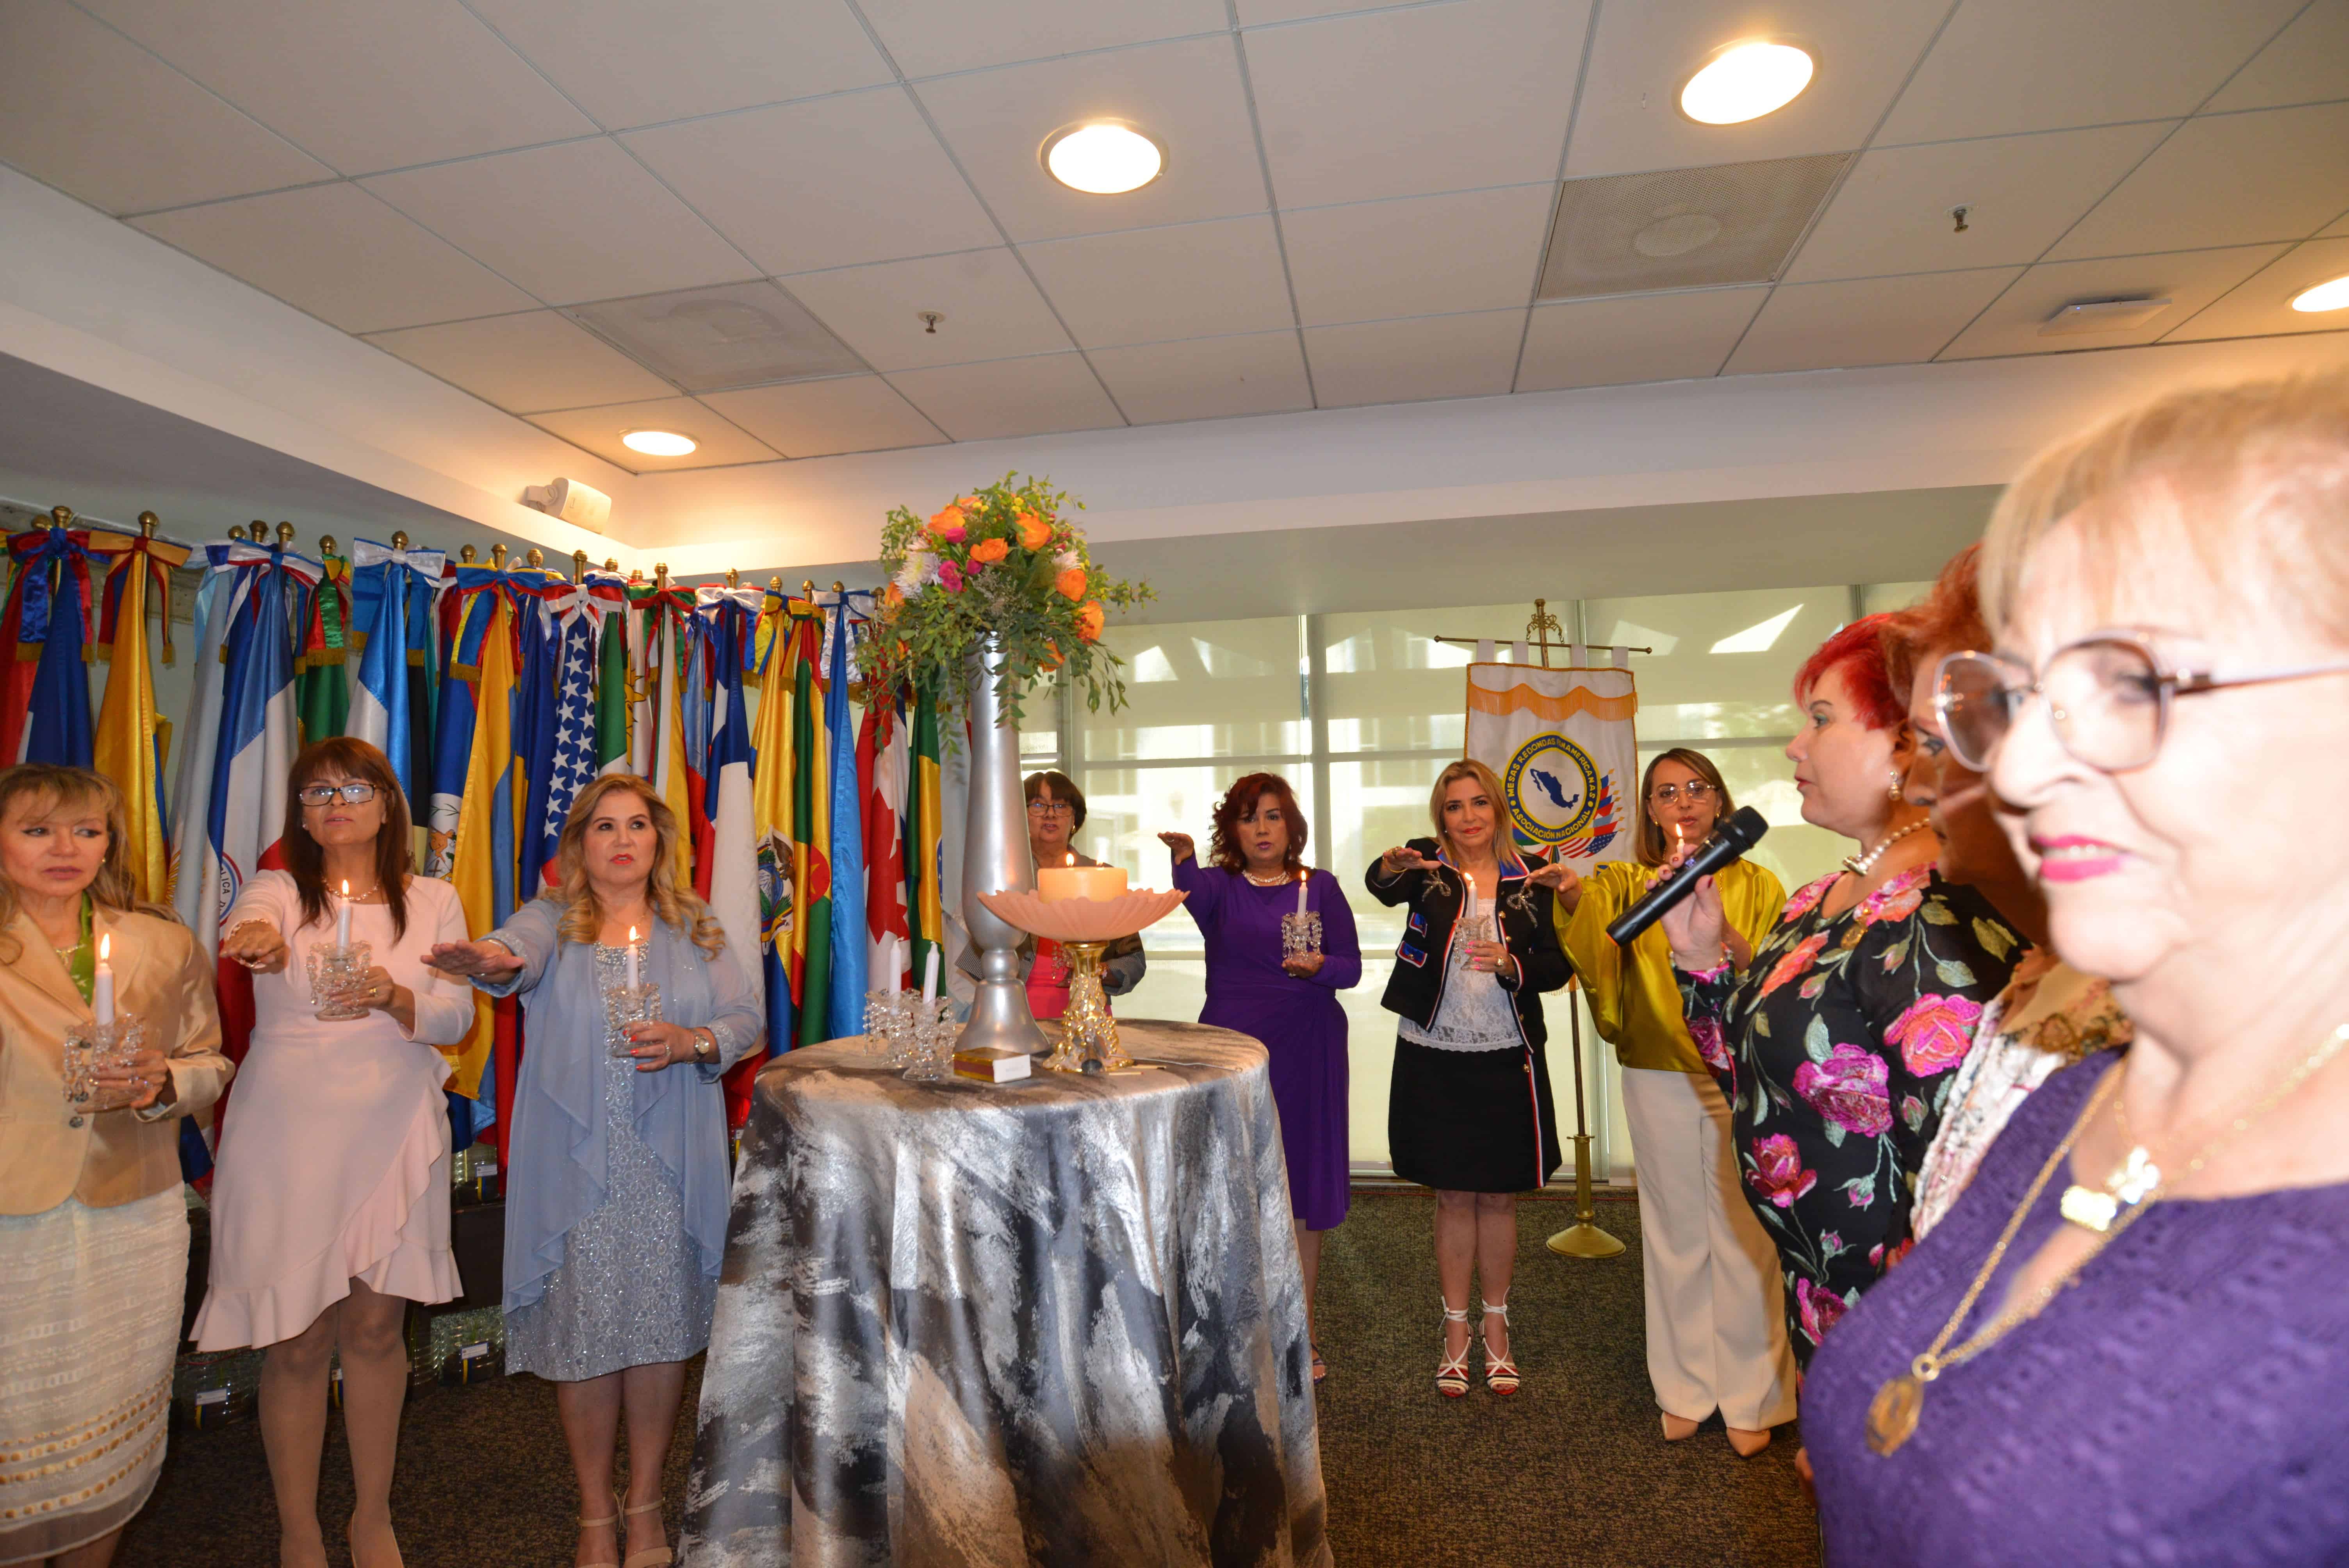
{"x":1471,"y":1121}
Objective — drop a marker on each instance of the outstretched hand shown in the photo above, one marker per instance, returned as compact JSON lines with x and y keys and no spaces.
{"x":1404,"y":858}
{"x":469,"y":960}
{"x":1182,"y":846}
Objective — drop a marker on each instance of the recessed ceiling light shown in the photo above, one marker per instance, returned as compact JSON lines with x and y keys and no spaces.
{"x":2332,"y":294}
{"x":1744,"y":82}
{"x":658,"y":443}
{"x":1102,"y":158}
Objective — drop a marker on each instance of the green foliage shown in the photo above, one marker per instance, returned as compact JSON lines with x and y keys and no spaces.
{"x":1001,"y":560}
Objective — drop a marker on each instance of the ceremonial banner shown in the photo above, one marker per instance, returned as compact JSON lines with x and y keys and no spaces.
{"x":48,"y":620}
{"x":1561,"y":743}
{"x":771,"y":815}
{"x":391,"y":593}
{"x":193,"y":888}
{"x":132,"y":741}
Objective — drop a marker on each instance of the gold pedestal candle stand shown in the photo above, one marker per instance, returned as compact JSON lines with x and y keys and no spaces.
{"x":1084,"y":927}
{"x":1088,"y":1031}
{"x":1582,"y":1239}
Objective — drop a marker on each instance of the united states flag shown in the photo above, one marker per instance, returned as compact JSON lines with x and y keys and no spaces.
{"x":572,"y":762}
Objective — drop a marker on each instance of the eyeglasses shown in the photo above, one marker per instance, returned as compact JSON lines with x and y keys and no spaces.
{"x":1697,"y":790}
{"x":2107,"y":699}
{"x":321,"y":794}
{"x":1052,"y":807}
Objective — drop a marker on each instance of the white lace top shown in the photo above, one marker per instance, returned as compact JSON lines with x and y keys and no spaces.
{"x":1475,"y":1014}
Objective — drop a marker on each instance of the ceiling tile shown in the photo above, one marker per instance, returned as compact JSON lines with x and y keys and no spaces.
{"x":819,"y":419}
{"x":2262,"y":303}
{"x":599,"y":431}
{"x":2188,"y":279}
{"x":1631,"y":119}
{"x":1408,"y":361}
{"x":631,"y":64}
{"x":153,"y":139}
{"x":1634,"y":338}
{"x":829,"y":183}
{"x":2021,"y":192}
{"x":2336,"y":230}
{"x":578,"y":222}
{"x":1408,"y":102}
{"x":358,"y":83}
{"x":1193,"y":280}
{"x":2006,"y":66}
{"x":1873,"y":321}
{"x":1010,"y":398}
{"x":930,"y":37}
{"x":1206,"y":377}
{"x":718,"y":338}
{"x":2308,"y":63}
{"x":1185,"y":96}
{"x":1423,"y":255}
{"x":2229,"y":180}
{"x":525,"y":364}
{"x":341,"y":255}
{"x":1256,"y":12}
{"x":991,"y":310}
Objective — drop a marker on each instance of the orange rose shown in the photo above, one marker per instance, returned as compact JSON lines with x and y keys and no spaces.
{"x":1034,"y":531}
{"x":1089,"y":621}
{"x":947,"y":523}
{"x":1072,"y":582}
{"x":1054,"y":662}
{"x":891,"y":597}
{"x":990,"y":551}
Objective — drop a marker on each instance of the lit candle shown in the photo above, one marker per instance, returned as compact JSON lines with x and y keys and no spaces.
{"x":1467,"y":902}
{"x":1679,"y":837}
{"x":342,"y":919}
{"x":930,"y":978}
{"x":1073,"y":881}
{"x":1302,"y":878}
{"x":632,"y":958}
{"x":102,"y":986}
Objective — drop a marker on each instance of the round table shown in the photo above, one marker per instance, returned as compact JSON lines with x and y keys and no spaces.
{"x":1057,"y":1321}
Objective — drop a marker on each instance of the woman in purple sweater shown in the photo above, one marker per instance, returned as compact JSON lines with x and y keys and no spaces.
{"x":2128,"y":1341}
{"x":1285,"y":1000}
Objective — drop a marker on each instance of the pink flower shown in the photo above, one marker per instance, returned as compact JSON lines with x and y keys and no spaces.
{"x":951,"y":576}
{"x":1848,"y":1089}
{"x":1935,"y":1033}
{"x":1778,"y":1174}
{"x":1883,"y":1264}
{"x":1897,"y":899}
{"x":1819,"y":1308}
{"x":1707,"y":1033}
{"x":1795,"y":963}
{"x":1806,"y":898}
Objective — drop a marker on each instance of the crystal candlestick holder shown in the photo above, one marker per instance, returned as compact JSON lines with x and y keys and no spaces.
{"x":94,"y":1048}
{"x":1300,"y":934}
{"x":889,"y":1024}
{"x":626,"y":1004}
{"x":332,"y":971}
{"x":931,"y":1047}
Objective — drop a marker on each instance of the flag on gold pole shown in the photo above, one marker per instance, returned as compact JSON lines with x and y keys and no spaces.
{"x":771,"y":813}
{"x":132,"y":742}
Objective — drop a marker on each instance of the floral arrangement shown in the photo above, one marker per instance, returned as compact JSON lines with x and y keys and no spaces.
{"x":1005,"y":561}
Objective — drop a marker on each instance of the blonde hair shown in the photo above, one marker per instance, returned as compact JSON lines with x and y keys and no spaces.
{"x":1505,"y":843}
{"x":679,"y":909}
{"x":2249,"y":483}
{"x":50,"y":788}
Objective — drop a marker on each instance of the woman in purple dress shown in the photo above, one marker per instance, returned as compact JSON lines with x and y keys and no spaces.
{"x":2126,"y":1340}
{"x":1287,"y":1001}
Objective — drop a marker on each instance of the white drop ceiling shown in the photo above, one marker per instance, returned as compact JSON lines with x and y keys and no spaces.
{"x":1355,"y":208}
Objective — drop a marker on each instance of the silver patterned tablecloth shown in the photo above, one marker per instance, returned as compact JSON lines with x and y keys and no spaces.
{"x":1053,"y":1322}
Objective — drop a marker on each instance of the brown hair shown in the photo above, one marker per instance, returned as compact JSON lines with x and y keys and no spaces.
{"x":1647,"y":834}
{"x":50,"y":787}
{"x":1063,"y":789}
{"x":679,"y":909}
{"x":1947,"y":620}
{"x":2247,"y":483}
{"x":395,"y":847}
{"x":1505,"y":841}
{"x":1241,"y":800}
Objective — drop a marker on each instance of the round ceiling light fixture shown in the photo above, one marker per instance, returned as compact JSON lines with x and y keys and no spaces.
{"x":1102,"y":158}
{"x":660,"y":443}
{"x":1746,"y":81}
{"x":2331,"y":294}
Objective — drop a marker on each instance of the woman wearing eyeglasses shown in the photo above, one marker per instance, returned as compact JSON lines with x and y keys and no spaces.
{"x":2125,"y":1341}
{"x":1716,"y":1324}
{"x":330,"y":1198}
{"x":1055,"y":809}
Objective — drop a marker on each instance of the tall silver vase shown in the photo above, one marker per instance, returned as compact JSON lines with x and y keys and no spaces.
{"x":996,"y":858}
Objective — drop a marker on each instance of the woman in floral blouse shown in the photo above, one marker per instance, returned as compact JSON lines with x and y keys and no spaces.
{"x":1836,"y":1047}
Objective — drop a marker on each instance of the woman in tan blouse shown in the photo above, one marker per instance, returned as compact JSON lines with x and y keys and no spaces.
{"x":93,"y":1226}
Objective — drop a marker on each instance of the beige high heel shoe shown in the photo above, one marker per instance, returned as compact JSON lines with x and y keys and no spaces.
{"x":651,"y":1556}
{"x":1748,"y":1442}
{"x":611,"y":1520}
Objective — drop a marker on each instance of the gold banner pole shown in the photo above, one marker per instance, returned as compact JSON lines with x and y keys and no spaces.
{"x":1582,"y":1239}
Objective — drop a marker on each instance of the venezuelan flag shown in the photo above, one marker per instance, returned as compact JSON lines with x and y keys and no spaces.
{"x":132,"y":742}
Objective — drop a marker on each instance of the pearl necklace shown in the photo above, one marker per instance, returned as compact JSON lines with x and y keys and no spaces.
{"x":1283,"y":879}
{"x":1860,"y":865}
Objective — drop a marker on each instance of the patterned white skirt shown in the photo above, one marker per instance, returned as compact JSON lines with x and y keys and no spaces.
{"x":91,"y":1302}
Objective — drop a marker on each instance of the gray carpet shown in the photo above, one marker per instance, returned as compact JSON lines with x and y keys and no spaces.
{"x":1573,"y":1473}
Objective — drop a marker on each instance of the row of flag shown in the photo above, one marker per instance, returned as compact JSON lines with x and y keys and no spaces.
{"x":815,"y":821}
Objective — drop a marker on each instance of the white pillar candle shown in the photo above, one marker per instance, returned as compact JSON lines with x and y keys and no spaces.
{"x":930,"y":977}
{"x":632,"y":958}
{"x":1072,"y":881}
{"x":342,"y":919}
{"x":101,"y":994}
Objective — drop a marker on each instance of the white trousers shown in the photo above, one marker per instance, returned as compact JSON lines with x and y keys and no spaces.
{"x":1716,"y":1314}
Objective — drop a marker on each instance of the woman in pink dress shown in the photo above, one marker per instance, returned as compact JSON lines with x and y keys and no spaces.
{"x":331,"y":1200}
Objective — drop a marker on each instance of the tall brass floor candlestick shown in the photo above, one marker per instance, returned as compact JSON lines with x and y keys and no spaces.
{"x":1581,"y":1239}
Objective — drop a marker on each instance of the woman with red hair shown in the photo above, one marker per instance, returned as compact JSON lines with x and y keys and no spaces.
{"x":1835,"y":1045}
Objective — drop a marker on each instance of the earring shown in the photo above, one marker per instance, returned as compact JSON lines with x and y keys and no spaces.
{"x":1894,"y":789}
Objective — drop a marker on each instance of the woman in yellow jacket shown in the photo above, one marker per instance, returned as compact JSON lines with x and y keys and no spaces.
{"x":1716,"y":1325}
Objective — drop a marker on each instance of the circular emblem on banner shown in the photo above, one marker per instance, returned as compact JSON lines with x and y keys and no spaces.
{"x":1552,"y":788}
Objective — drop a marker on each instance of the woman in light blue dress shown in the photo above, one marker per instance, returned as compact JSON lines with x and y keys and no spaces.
{"x":617,"y":1200}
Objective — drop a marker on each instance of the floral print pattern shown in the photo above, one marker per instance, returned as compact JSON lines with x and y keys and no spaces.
{"x":1837,"y":1046}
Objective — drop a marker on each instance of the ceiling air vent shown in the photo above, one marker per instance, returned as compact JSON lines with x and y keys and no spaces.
{"x":708,"y":339}
{"x":1683,"y":228}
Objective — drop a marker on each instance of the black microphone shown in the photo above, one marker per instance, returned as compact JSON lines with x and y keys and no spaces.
{"x":1731,"y":839}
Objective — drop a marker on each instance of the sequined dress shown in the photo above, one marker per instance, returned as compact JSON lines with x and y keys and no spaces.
{"x":629,"y":1291}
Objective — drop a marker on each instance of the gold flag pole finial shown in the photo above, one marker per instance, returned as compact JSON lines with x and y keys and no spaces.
{"x":325,"y":545}
{"x":148,"y":523}
{"x":285,"y":535}
{"x":236,"y":534}
{"x":498,"y":557}
{"x":733,"y":577}
{"x":1541,"y":629}
{"x":578,"y":565}
{"x":660,"y":576}
{"x":775,"y":585}
{"x":537,"y":558}
{"x":465,"y":556}
{"x":61,"y":516}
{"x":399,"y":539}
{"x":611,"y":563}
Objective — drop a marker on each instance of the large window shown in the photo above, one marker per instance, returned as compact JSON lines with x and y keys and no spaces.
{"x":1359,"y":712}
